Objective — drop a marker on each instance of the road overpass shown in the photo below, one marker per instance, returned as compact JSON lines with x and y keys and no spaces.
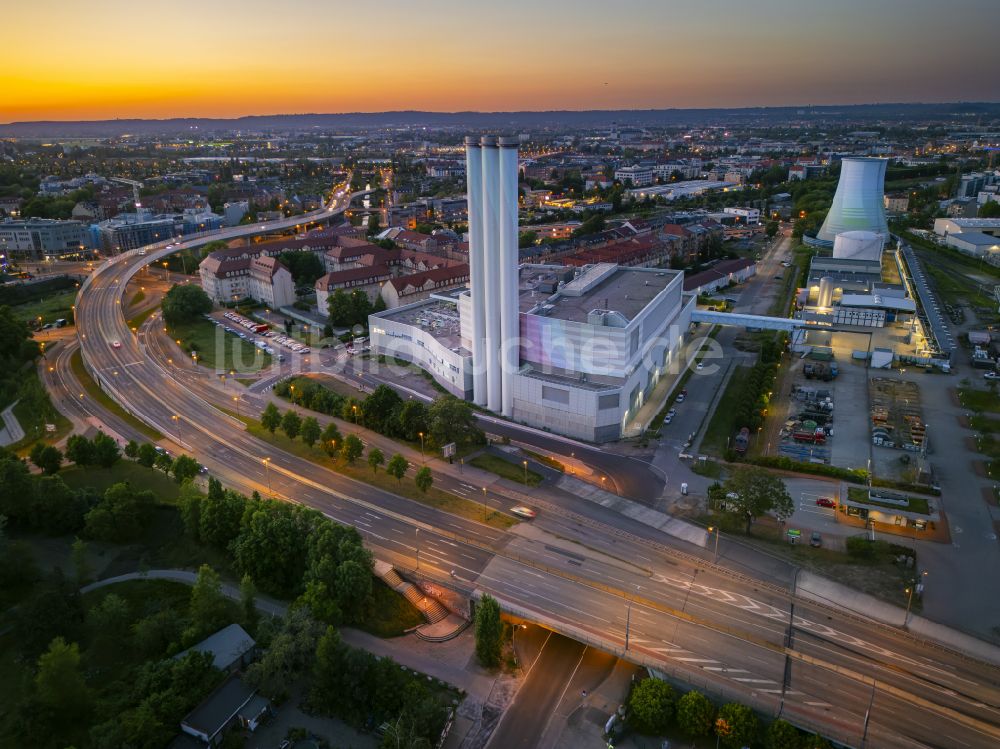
{"x":737,"y":636}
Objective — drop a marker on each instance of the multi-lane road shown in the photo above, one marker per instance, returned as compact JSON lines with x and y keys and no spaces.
{"x":584,"y":571}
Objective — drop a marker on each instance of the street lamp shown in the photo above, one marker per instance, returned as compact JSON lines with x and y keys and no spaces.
{"x":416,"y":543}
{"x":715,"y":529}
{"x":236,"y":400}
{"x":525,"y":464}
{"x":422,"y":459}
{"x":177,"y":421}
{"x":267,"y":472}
{"x":628,"y":615}
{"x":915,"y":584}
{"x":354,"y":409}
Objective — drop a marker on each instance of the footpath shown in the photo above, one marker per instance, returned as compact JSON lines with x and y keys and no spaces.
{"x":10,"y":427}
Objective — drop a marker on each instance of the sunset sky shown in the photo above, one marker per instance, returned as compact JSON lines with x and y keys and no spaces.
{"x":67,"y":59}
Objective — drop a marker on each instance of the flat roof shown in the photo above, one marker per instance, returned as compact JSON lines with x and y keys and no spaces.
{"x":603,"y":286}
{"x":877,"y":301}
{"x":437,"y":317}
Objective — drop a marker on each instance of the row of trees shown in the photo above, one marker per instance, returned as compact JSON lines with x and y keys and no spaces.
{"x":654,"y":708}
{"x":448,"y":419}
{"x":349,"y":448}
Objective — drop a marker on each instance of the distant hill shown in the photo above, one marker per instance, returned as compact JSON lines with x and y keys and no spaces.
{"x":969,"y":112}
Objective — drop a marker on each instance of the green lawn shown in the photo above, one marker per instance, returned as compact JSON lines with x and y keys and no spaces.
{"x":50,"y":309}
{"x":390,"y":614}
{"x":720,"y":428}
{"x":34,"y":410}
{"x":137,"y":298}
{"x":136,"y":322}
{"x":860,"y":494}
{"x":506,"y":469}
{"x":217,"y":349}
{"x":140,"y":477}
{"x":93,"y":391}
{"x":979,"y":400}
{"x":360,"y":471}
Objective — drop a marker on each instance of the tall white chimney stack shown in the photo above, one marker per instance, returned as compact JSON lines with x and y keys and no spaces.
{"x":508,"y":282}
{"x":477,"y":267}
{"x":492,"y":250}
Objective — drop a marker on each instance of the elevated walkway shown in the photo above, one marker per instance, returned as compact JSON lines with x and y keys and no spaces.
{"x":744,"y":320}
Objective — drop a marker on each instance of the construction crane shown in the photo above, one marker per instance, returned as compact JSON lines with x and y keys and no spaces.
{"x":136,"y":186}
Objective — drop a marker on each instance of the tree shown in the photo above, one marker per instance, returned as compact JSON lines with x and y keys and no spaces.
{"x":185,"y":302}
{"x":270,"y":418}
{"x":354,"y":588}
{"x":164,"y":462}
{"x":380,"y":409}
{"x":220,"y":518}
{"x":771,"y":228}
{"x":209,"y":608}
{"x":397,"y":467}
{"x":352,"y":449}
{"x":412,"y":420}
{"x":751,"y":492}
{"x":47,"y":457}
{"x":79,"y":450}
{"x":990,"y":209}
{"x":185,"y":468}
{"x":452,"y":420}
{"x":330,"y":439}
{"x":291,"y":424}
{"x":310,"y":430}
{"x":651,"y":706}
{"x":272,"y":545}
{"x":248,"y":603}
{"x":121,"y":514}
{"x":108,"y":623}
{"x":132,"y":450}
{"x":106,"y":452}
{"x":375,"y":459}
{"x":736,"y":725}
{"x":424,"y":479}
{"x":305,"y":267}
{"x":56,"y":508}
{"x":695,"y":714}
{"x":146,"y":455}
{"x":489,"y":630}
{"x":783,"y":735}
{"x":81,"y":564}
{"x":291,"y":652}
{"x":59,"y":684}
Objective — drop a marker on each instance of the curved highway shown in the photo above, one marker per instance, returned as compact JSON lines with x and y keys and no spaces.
{"x":840,"y":674}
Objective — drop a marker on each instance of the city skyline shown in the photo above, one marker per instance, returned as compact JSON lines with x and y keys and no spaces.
{"x":119,"y":61}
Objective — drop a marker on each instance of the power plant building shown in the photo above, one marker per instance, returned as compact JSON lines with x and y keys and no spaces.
{"x":859,"y":203}
{"x":572,"y":350}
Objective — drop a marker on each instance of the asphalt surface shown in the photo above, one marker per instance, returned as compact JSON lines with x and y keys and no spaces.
{"x":523,"y":724}
{"x":728,"y":633}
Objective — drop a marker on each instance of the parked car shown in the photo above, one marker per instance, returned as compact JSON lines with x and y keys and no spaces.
{"x":816,"y":539}
{"x":991,"y":376}
{"x":680,"y":398}
{"x":826,"y":502}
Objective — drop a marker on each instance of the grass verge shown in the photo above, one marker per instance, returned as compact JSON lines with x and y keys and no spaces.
{"x":390,"y":614}
{"x":979,"y":400}
{"x":34,"y":411}
{"x":137,"y":476}
{"x":136,"y":322}
{"x":506,"y":469}
{"x":50,"y":309}
{"x":720,"y":426}
{"x":360,"y":471}
{"x":218,"y":350}
{"x":93,"y":390}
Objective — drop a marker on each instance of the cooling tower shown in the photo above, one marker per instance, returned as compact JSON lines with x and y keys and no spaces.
{"x":825,"y":292}
{"x":858,"y":245}
{"x":858,"y":204}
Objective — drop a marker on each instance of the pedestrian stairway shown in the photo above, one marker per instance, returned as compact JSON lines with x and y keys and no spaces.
{"x":441,"y":624}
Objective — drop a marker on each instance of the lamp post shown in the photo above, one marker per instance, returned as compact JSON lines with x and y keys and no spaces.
{"x":628,"y":615}
{"x":236,"y":400}
{"x":525,"y":464}
{"x":177,"y":420}
{"x":416,"y":543}
{"x":422,"y":458}
{"x":715,"y":529}
{"x":354,"y":409}
{"x":914,"y":585}
{"x":267,"y":473}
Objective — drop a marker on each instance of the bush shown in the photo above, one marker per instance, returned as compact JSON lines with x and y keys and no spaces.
{"x":651,"y":707}
{"x":695,"y":714}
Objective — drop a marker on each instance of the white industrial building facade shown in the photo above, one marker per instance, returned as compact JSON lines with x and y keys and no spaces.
{"x":573,"y":351}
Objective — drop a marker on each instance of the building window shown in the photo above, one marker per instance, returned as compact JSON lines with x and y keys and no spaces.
{"x":611,"y":400}
{"x":555,"y":395}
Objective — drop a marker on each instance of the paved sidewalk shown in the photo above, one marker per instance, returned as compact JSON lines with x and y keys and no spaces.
{"x":10,"y":431}
{"x":264,"y":604}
